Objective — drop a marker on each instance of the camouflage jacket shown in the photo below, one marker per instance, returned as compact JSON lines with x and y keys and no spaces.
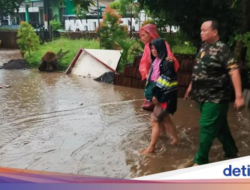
{"x":210,"y":80}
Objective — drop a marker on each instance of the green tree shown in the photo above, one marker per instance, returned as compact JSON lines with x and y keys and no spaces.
{"x":242,"y":49}
{"x":27,"y":38}
{"x":189,"y":14}
{"x":10,"y":7}
{"x":56,"y":25}
{"x":110,"y":29}
{"x":80,"y":12}
{"x":130,"y":48}
{"x":115,"y":5}
{"x":84,"y":3}
{"x":127,"y":8}
{"x":233,"y":16}
{"x":131,"y":9}
{"x":115,"y":36}
{"x":81,"y":7}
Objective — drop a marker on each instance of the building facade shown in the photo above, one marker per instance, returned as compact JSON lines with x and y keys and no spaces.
{"x":39,"y":12}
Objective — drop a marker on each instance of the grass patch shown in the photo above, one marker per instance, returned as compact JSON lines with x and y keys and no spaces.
{"x":62,"y":43}
{"x":74,"y":45}
{"x":184,"y":49}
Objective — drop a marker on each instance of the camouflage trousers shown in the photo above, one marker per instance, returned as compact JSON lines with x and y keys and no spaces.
{"x":213,"y":124}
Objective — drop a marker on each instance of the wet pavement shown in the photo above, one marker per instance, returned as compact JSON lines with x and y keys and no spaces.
{"x":66,"y":123}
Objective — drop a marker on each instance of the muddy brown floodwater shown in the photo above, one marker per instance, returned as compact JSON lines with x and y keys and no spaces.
{"x":66,"y":123}
{"x":6,"y":55}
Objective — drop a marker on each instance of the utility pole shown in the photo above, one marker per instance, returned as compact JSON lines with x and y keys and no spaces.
{"x":46,"y":14}
{"x":131,"y":19}
{"x":98,"y":11}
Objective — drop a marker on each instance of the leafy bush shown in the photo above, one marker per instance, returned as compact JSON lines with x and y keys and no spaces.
{"x":185,"y":48}
{"x":177,"y":38}
{"x":245,"y":38}
{"x":179,"y":43}
{"x":148,"y":22}
{"x":27,"y":38}
{"x":115,"y":36}
{"x":110,"y":29}
{"x":81,"y":13}
{"x":130,"y":48}
{"x":115,"y":5}
{"x":56,"y":25}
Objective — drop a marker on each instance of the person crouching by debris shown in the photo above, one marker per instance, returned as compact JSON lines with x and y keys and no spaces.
{"x":48,"y":62}
{"x":161,"y":90}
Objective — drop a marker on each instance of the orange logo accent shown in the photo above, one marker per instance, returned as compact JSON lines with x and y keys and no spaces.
{"x":202,"y":54}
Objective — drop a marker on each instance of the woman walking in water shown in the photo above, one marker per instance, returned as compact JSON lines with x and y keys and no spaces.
{"x":161,"y":90}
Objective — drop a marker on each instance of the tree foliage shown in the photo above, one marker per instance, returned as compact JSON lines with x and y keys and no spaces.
{"x":84,"y":3}
{"x":115,"y":36}
{"x":110,"y":29}
{"x":126,"y":7}
{"x":56,"y":25}
{"x":115,"y":4}
{"x":27,"y":38}
{"x":9,"y":7}
{"x":81,"y":7}
{"x":189,"y":14}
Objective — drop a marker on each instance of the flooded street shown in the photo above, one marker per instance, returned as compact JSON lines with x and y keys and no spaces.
{"x":66,"y":123}
{"x":6,"y":55}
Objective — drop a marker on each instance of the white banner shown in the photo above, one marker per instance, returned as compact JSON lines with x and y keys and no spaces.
{"x":238,"y":168}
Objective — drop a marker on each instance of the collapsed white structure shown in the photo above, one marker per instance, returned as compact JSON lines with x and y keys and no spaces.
{"x":94,"y":62}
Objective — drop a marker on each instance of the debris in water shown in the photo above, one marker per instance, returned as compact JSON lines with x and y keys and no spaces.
{"x":106,"y":77}
{"x":15,"y":64}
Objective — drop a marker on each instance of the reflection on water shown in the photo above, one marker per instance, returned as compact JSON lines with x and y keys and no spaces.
{"x":56,"y":122}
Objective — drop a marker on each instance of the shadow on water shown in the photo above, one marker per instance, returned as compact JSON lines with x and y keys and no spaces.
{"x":71,"y":124}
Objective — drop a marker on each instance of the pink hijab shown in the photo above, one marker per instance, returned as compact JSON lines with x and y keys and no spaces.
{"x":146,"y":59}
{"x":151,"y":30}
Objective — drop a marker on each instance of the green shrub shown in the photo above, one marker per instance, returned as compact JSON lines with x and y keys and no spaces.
{"x":148,"y":22}
{"x":177,"y":38}
{"x":81,"y":13}
{"x":115,"y":5}
{"x":179,"y":43}
{"x":27,"y":38}
{"x":110,"y":29}
{"x":56,"y":25}
{"x":184,"y":49}
{"x":130,"y":48}
{"x":245,"y":38}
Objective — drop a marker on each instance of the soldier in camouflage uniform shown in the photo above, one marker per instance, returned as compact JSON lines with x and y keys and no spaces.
{"x":214,"y":67}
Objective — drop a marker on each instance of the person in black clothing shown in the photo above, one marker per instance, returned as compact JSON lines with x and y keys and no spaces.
{"x":161,"y":90}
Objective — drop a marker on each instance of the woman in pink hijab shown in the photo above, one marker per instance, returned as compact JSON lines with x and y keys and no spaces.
{"x":147,"y":34}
